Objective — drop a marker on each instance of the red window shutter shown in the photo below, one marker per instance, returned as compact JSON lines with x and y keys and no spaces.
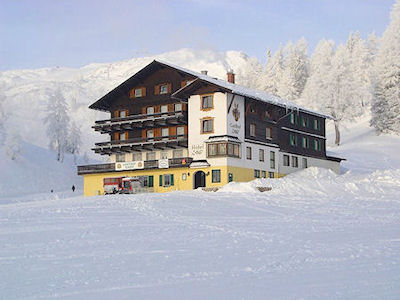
{"x":157,"y":89}
{"x":143,"y":91}
{"x":132,"y":93}
{"x":169,"y":87}
{"x":116,"y":136}
{"x":116,"y":114}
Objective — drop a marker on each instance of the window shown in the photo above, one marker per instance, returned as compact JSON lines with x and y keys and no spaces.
{"x":123,"y":136}
{"x":122,"y":114}
{"x":150,"y":110}
{"x":150,"y":156}
{"x":164,"y":108}
{"x":207,"y":126}
{"x":216,"y":176}
{"x":222,"y":149}
{"x":286,"y":160}
{"x":271,"y":174}
{"x":184,"y":176}
{"x":248,"y":152}
{"x":253,"y":109}
{"x":304,"y":142}
{"x":272,"y":159}
{"x":317,"y":124}
{"x":138,"y":92}
{"x":207,"y":102}
{"x":292,"y":139}
{"x":167,"y":180}
{"x":293,"y":118}
{"x":317,"y":145}
{"x":120,"y":157}
{"x":261,"y":154}
{"x":164,"y":155}
{"x":263,"y":174}
{"x":253,"y":129}
{"x":257,"y":173}
{"x":136,"y":156}
{"x":150,"y":133}
{"x":268,"y":114}
{"x":180,"y":130}
{"x":177,"y":153}
{"x":305,"y":165}
{"x":304,"y":121}
{"x":295,"y":162}
{"x":268,"y":133}
{"x":164,"y":132}
{"x":163,"y":89}
{"x":178,"y":107}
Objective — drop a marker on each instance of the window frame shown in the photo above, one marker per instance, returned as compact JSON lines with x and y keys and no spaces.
{"x":272,"y":162}
{"x":202,"y":97}
{"x":268,"y":128}
{"x":295,"y":161}
{"x":216,"y":176}
{"x":207,"y":119}
{"x":249,"y":153}
{"x":160,"y":89}
{"x":286,"y":160}
{"x":253,"y":130}
{"x":261,"y":155}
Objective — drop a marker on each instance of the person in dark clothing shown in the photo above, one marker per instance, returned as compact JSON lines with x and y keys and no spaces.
{"x":73,"y":188}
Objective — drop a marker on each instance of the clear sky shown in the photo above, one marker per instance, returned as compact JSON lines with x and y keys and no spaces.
{"x":42,"y":33}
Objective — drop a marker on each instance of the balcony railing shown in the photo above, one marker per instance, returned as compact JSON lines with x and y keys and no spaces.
{"x":141,"y":121}
{"x":142,"y":144}
{"x":148,"y":164}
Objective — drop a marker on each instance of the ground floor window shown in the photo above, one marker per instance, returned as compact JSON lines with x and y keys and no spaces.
{"x":271,"y":174}
{"x":216,"y":176}
{"x":286,"y":160}
{"x":257,"y":173}
{"x":295,"y":162}
{"x":272,"y":159}
{"x":148,"y":181}
{"x":166,"y":180}
{"x":305,"y":164}
{"x":263,"y":174}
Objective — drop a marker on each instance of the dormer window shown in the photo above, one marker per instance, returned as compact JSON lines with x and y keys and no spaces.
{"x":163,"y":89}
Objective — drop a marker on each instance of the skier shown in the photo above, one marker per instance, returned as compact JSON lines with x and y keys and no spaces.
{"x":73,"y":188}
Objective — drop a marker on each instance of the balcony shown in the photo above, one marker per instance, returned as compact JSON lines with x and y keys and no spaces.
{"x":148,"y":165}
{"x":142,"y":144}
{"x":141,"y":121}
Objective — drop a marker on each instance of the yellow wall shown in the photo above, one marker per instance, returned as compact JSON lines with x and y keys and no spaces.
{"x":93,"y":183}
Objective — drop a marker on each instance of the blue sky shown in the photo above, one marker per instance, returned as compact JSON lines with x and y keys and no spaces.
{"x":73,"y":33}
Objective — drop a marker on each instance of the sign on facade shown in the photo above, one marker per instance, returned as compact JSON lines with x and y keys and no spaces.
{"x":163,"y":164}
{"x":131,"y":165}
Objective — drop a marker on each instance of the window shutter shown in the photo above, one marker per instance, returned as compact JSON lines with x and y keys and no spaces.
{"x":160,"y":180}
{"x":116,"y":136}
{"x":132,"y":93}
{"x":157,"y":89}
{"x":116,"y":114}
{"x":183,"y":83}
{"x":169,"y":87}
{"x":143,"y":91}
{"x":172,"y":179}
{"x":151,"y":181}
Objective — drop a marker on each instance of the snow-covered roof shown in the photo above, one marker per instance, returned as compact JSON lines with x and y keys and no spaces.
{"x":243,"y":91}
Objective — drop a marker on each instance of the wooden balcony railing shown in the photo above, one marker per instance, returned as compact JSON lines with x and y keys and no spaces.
{"x":178,"y":162}
{"x":141,"y":121}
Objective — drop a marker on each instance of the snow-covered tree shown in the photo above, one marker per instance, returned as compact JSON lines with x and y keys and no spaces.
{"x":295,"y":74}
{"x":386,"y":102}
{"x":57,"y":122}
{"x":315,"y":91}
{"x":2,"y":119}
{"x":250,"y":74}
{"x":74,"y":141}
{"x":272,"y":73}
{"x":342,"y":90}
{"x":12,"y":145}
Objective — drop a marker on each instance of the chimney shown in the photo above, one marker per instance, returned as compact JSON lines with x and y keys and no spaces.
{"x":231,"y":76}
{"x":204,"y":72}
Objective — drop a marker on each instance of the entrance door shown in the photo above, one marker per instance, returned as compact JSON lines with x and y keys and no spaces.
{"x":199,"y":179}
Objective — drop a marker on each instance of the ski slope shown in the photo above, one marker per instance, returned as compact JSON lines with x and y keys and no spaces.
{"x":315,"y":235}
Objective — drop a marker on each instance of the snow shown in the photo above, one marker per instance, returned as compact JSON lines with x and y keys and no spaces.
{"x":316,"y":234}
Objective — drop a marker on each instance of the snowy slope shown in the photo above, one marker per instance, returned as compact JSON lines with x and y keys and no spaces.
{"x":28,"y":91}
{"x":313,"y":236}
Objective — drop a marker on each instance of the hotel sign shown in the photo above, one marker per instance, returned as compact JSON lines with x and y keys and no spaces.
{"x":131,"y":165}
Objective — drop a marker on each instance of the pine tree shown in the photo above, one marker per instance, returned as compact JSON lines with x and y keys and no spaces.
{"x":315,"y":90}
{"x":249,"y":76}
{"x":272,"y":73}
{"x":295,"y":74}
{"x":13,"y":145}
{"x":57,"y":122}
{"x":386,"y":102}
{"x":74,"y":141}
